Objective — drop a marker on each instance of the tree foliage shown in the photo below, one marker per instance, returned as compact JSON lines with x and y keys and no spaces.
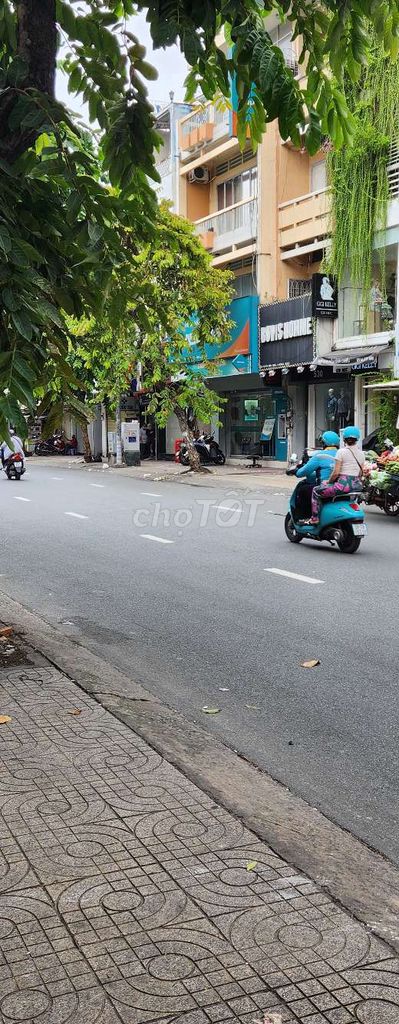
{"x":61,"y":208}
{"x":167,"y":286}
{"x":358,"y":175}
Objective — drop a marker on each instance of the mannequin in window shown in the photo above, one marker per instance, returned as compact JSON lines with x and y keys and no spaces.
{"x":343,"y":409}
{"x":331,"y":413}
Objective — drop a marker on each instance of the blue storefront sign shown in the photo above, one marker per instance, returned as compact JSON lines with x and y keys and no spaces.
{"x":240,"y":353}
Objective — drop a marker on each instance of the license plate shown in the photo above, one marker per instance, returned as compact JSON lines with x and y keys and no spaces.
{"x":359,"y":529}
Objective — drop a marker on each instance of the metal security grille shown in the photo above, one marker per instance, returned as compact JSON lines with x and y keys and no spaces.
{"x":296,"y":288}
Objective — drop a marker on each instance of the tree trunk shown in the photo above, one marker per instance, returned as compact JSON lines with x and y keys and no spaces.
{"x":88,"y":455}
{"x":37,"y":45}
{"x":193,"y":457}
{"x":37,"y":42}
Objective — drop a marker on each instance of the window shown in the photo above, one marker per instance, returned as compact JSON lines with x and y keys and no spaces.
{"x":318,"y":176}
{"x":232,"y":191}
{"x":282,"y":37}
{"x":244,"y":285}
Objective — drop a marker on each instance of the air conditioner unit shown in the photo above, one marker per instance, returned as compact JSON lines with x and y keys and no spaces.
{"x":200,"y":175}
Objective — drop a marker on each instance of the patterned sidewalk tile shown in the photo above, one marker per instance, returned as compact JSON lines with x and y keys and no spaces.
{"x":127,"y":895}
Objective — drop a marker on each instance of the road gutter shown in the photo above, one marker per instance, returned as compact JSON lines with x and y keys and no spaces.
{"x":359,"y":878}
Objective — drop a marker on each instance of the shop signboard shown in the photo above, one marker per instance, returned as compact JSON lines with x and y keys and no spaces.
{"x":267,"y":429}
{"x":286,"y":333}
{"x":324,"y":296}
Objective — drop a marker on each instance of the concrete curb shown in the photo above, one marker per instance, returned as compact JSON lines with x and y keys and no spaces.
{"x":359,"y":878}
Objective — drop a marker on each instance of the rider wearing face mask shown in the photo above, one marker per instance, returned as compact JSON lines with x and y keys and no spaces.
{"x":321,"y":465}
{"x":346,"y":474}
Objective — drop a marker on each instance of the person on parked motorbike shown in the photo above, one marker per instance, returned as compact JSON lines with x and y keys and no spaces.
{"x":17,"y":446}
{"x":346,"y":474}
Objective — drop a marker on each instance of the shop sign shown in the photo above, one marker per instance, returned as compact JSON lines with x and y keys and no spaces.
{"x":286,"y":333}
{"x":324,"y":296}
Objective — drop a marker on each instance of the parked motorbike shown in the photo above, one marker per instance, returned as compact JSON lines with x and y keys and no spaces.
{"x":14,"y":466}
{"x":54,"y":445}
{"x":388,"y":499}
{"x":207,"y":448}
{"x":341,"y":518}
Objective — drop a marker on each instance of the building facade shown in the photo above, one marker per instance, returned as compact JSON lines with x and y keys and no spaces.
{"x":266,"y":217}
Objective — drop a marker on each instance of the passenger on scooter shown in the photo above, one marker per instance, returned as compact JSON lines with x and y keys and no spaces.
{"x":321,"y":464}
{"x":346,"y":474}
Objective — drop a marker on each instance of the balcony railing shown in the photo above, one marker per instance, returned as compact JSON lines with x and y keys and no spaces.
{"x":230,"y":227}
{"x":205,"y":124}
{"x":305,"y":219}
{"x":393,"y":171}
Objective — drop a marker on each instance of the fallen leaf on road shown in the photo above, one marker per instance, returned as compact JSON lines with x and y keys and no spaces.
{"x":211,"y":711}
{"x":251,"y":865}
{"x":76,"y":711}
{"x":252,"y":707}
{"x":6,"y":631}
{"x":4,"y":719}
{"x":310,"y":664}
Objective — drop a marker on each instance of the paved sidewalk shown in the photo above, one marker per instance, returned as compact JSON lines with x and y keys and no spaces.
{"x":127,"y":895}
{"x":231,"y":475}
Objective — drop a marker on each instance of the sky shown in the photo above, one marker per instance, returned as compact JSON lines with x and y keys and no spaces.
{"x":169,"y":63}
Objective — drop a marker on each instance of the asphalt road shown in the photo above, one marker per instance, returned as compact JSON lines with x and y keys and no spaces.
{"x":177,"y":593}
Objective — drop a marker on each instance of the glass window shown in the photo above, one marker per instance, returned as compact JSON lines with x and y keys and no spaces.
{"x":318,"y":176}
{"x":334,"y":405}
{"x":250,"y":417}
{"x":242,"y":186}
{"x":220,"y":195}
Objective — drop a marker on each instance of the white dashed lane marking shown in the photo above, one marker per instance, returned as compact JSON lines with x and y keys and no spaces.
{"x":76,"y":515}
{"x":97,"y":485}
{"x":18,"y":497}
{"x":159,"y":540}
{"x":294,"y":576}
{"x":150,"y":494}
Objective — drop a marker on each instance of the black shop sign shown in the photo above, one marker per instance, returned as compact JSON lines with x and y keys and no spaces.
{"x":286,"y":333}
{"x":324,"y":296}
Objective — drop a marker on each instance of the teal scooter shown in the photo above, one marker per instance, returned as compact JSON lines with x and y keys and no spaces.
{"x":341,"y":518}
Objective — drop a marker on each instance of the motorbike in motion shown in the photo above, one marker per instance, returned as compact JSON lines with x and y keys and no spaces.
{"x":208,"y":450}
{"x":341,"y":517}
{"x":14,"y":466}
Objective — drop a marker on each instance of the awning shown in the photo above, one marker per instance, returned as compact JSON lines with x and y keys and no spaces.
{"x":349,"y":358}
{"x":386,"y":385}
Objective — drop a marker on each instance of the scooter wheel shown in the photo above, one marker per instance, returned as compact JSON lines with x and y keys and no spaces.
{"x":290,"y":530}
{"x":184,"y":459}
{"x":349,"y":543}
{"x":220,"y":459}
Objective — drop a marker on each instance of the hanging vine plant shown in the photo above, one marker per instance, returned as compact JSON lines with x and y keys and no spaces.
{"x":358,"y":175}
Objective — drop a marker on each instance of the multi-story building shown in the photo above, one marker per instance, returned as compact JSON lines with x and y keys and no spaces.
{"x":266,"y":217}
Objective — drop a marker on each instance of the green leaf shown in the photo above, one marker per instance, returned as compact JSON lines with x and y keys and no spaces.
{"x":5,"y":239}
{"x":22,"y":324}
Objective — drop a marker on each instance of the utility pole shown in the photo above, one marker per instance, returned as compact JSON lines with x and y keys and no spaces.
{"x":118,"y":433}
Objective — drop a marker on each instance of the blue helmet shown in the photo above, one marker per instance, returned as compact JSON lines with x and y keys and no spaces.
{"x":351,"y":432}
{"x":330,"y":439}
